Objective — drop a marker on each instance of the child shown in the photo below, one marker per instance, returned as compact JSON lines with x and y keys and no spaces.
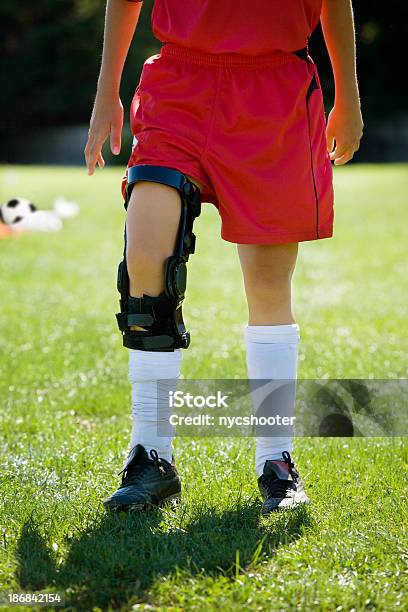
{"x":232,"y":105}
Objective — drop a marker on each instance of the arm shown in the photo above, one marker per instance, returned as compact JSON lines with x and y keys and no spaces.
{"x":345,"y":124}
{"x":107,"y":116}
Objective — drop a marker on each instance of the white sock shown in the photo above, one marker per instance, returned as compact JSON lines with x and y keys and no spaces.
{"x":145,"y":369}
{"x":272,"y":355}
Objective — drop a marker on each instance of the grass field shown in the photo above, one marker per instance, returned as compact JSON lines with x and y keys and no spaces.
{"x":64,"y":417}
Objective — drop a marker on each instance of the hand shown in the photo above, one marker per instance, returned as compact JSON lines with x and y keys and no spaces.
{"x":344,"y":131}
{"x":106,"y":119}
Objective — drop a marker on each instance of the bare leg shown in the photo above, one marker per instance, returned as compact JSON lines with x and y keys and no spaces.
{"x":152,"y":223}
{"x":268,"y":271}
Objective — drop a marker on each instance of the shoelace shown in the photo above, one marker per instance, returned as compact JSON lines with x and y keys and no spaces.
{"x":288,"y":460}
{"x":279,"y":488}
{"x":131,"y":474}
{"x":282,"y":488}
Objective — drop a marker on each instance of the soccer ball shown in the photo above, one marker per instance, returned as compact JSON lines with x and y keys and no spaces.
{"x":16,"y":210}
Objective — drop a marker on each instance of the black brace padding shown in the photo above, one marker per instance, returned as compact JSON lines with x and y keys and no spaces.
{"x":156,"y":174}
{"x":160,"y":319}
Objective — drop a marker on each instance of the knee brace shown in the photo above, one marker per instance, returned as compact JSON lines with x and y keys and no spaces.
{"x":156,"y":323}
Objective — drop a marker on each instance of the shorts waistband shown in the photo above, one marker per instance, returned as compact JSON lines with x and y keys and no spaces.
{"x":231,"y":59}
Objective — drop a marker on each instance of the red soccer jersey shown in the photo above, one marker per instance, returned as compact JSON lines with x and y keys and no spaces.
{"x":248,"y":27}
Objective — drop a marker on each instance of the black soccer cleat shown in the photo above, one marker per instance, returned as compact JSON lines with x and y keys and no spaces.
{"x":146,"y":483}
{"x":281,"y":488}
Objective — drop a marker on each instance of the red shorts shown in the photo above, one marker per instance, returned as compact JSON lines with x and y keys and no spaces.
{"x":250,"y":130}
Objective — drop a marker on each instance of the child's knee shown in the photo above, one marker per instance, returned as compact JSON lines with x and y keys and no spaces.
{"x":146,"y":270}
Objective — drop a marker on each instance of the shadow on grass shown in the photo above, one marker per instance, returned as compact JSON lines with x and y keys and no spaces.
{"x":114,"y":562}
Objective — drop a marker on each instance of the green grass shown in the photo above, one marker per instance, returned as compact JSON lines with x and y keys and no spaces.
{"x":64,"y":417}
